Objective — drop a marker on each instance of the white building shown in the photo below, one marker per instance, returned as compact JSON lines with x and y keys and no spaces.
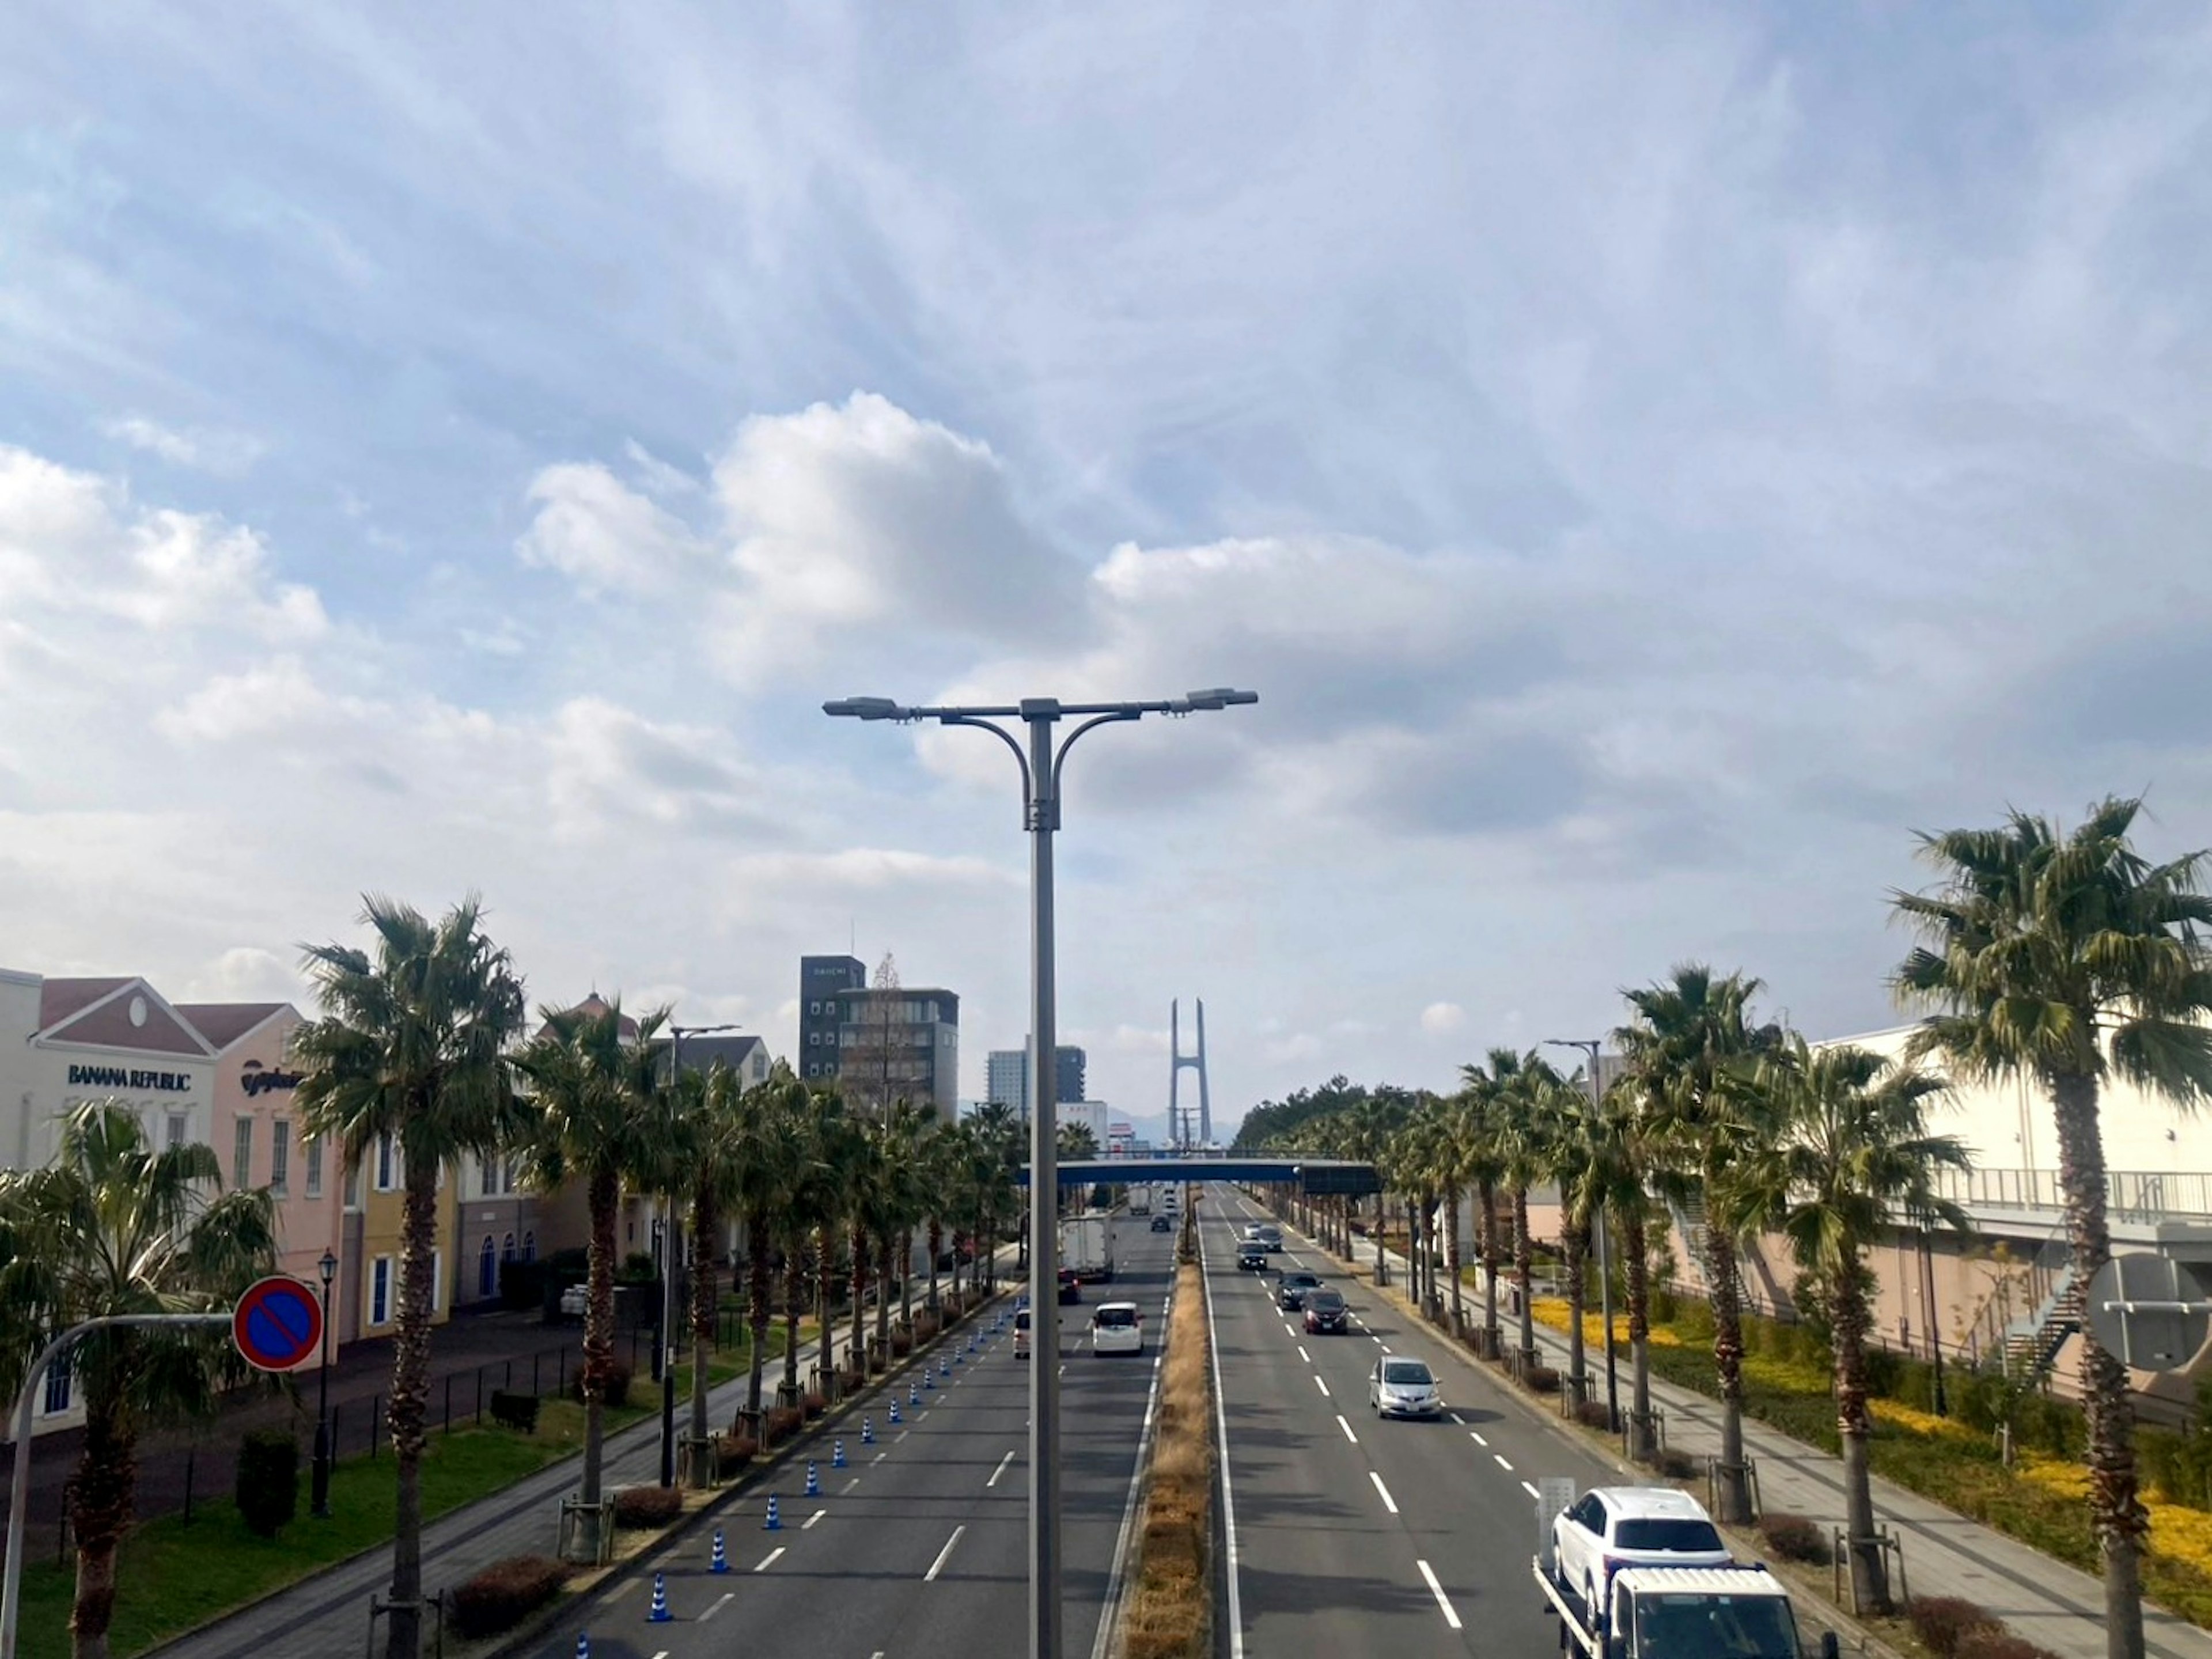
{"x":1090,"y":1114}
{"x":63,"y":1042}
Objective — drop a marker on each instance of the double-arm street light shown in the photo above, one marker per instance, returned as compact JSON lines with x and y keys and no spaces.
{"x":1590,"y":1046}
{"x":1040,"y":762}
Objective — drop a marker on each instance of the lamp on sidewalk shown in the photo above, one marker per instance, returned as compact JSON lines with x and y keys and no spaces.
{"x":319,"y":1480}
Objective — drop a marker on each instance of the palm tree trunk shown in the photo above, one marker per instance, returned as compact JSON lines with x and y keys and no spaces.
{"x":886,"y":1248}
{"x":1641,"y":1438}
{"x":1733,"y":1483}
{"x":1572,"y":1249}
{"x":100,"y":1512}
{"x":825,"y":1294}
{"x":603,"y":1193}
{"x":794,"y":1288}
{"x":1452,"y":1263}
{"x":1493,"y":1343}
{"x":2115,"y":1509}
{"x":936,"y":1245}
{"x":1524,"y":1279}
{"x":410,"y":1402}
{"x":758,"y":1282}
{"x":704,"y":1291}
{"x":1847,"y":1315}
{"x":906,"y":1277}
{"x":858,"y":1359}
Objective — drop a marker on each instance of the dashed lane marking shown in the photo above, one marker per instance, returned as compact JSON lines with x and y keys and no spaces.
{"x":1437,"y":1591}
{"x":770,"y":1560}
{"x":1304,"y":1355}
{"x":1383,"y":1491}
{"x":1000,"y":1470}
{"x":849,"y":1484}
{"x":1475,"y":1434}
{"x":720,"y":1601}
{"x":1323,"y":1386}
{"x":1502,"y":1463}
{"x":942,"y":1555}
{"x":807,"y":1525}
{"x":1529,"y":1487}
{"x":1346,"y":1427}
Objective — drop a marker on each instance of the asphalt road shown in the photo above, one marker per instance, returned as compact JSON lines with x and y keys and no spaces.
{"x":918,"y":1549}
{"x":1354,"y":1535}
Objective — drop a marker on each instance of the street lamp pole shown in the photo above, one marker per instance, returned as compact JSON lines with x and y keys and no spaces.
{"x":1041,"y":761}
{"x":319,"y":1481}
{"x":1591,"y":1046}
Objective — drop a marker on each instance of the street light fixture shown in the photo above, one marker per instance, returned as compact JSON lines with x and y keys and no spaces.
{"x":319,"y":1479}
{"x":1040,"y":762}
{"x":1591,"y":1046}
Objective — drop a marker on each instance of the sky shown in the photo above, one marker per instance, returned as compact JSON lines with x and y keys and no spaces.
{"x":1649,"y":462}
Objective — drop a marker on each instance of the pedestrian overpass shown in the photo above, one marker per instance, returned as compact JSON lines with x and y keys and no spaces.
{"x":1317,"y":1177}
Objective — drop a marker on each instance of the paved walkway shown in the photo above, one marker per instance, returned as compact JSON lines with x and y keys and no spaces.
{"x":2054,"y":1605}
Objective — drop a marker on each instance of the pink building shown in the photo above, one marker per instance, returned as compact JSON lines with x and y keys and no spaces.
{"x":255,"y":1133}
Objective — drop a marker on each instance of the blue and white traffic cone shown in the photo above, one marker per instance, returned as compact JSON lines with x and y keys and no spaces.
{"x":775,"y":1522}
{"x":944,"y":1366}
{"x":959,"y":1356}
{"x":658,"y":1614}
{"x":719,"y":1561}
{"x":836,"y":1453}
{"x":868,"y":1427}
{"x":913,"y":1394}
{"x":583,"y":1647}
{"x":928,"y":1381}
{"x":813,"y":1480}
{"x":895,"y":1411}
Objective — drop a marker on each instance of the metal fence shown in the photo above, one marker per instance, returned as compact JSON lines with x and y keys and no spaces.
{"x":2141,"y":1195}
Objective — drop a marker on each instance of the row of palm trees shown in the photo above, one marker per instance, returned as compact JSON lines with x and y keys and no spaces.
{"x":2059,"y":958}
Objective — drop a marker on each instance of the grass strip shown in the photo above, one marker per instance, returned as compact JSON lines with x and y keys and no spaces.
{"x":1168,"y":1614}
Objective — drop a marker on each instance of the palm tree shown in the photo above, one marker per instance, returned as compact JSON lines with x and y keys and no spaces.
{"x":807,"y":1197}
{"x":1571,"y":1158}
{"x":1621,"y":1171}
{"x":113,"y":1227}
{"x":712,"y":1144}
{"x":1855,"y":1158}
{"x":2064,"y":958}
{"x":1076,"y":1141}
{"x":1526,"y":1161}
{"x":600,"y":1115}
{"x":1689,"y":1046}
{"x":412,"y":1045}
{"x":1483,"y":1160}
{"x":836,"y":1148}
{"x":771,"y":1139}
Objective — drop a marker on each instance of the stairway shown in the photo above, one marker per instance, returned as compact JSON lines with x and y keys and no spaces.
{"x":2031,"y":1344}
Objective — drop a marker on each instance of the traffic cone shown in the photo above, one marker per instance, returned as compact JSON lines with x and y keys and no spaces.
{"x":775,"y":1522}
{"x":719,"y":1561}
{"x":813,"y":1480}
{"x":868,"y":1427}
{"x":583,"y":1647}
{"x":836,"y":1453}
{"x":928,"y":1381}
{"x":658,"y":1614}
{"x":913,"y":1394}
{"x":944,"y":1366}
{"x":959,"y":1356}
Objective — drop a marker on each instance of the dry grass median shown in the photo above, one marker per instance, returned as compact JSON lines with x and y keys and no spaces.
{"x":1169,"y":1613}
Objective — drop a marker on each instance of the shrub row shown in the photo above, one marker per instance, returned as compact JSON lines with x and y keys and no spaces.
{"x":1794,"y":1538}
{"x":1952,"y":1627}
{"x":642,"y":1509}
{"x":503,"y":1594}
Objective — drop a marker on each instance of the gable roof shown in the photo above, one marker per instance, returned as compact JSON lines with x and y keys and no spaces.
{"x":595,"y":1004}
{"x":223,"y":1023}
{"x":97,"y":1013}
{"x":60,"y":998}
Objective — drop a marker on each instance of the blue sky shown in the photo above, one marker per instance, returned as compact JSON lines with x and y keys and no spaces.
{"x":1648,"y":463}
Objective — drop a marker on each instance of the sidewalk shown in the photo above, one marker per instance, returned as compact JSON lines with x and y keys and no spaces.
{"x":2049,"y":1602}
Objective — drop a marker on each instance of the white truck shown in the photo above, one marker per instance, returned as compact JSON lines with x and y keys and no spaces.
{"x":1086,"y":1248}
{"x":1140,"y":1200}
{"x":1672,"y":1613}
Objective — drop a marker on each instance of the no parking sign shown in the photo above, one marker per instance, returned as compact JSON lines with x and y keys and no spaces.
{"x":277,"y":1324}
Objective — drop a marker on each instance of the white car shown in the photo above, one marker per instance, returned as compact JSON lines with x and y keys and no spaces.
{"x":1398,"y":1387}
{"x":1609,"y":1527}
{"x":1117,"y":1327}
{"x":1022,"y":1334}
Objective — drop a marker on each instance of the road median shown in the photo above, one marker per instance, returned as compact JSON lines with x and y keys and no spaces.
{"x":1168,"y":1611}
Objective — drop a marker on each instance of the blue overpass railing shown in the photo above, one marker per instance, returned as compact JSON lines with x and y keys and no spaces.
{"x":1315,"y":1176}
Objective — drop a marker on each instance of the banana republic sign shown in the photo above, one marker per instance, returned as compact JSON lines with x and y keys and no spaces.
{"x":124,"y":1077}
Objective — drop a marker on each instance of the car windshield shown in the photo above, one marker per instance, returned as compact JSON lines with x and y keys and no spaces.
{"x":1406,"y":1371}
{"x":1118,"y":1318}
{"x":1324,"y":1301}
{"x":1713,"y":1627}
{"x":1300,"y":1281}
{"x":1022,"y":1320}
{"x":1633,"y":1533}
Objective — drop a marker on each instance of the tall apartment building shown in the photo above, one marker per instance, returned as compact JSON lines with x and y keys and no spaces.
{"x":1006,"y":1076}
{"x":899,"y":1043}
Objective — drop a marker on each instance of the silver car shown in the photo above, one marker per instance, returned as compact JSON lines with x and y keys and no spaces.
{"x":1402,"y":1387}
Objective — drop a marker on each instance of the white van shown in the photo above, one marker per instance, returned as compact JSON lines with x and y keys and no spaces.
{"x":1117,"y":1327}
{"x":1022,"y":1334}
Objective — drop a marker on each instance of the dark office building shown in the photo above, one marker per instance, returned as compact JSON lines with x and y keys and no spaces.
{"x":901,"y":1042}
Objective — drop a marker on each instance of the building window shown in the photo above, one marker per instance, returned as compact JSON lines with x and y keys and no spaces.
{"x":491,"y":1181}
{"x":60,"y":1384}
{"x":180,"y":1126}
{"x":530,"y":1247}
{"x":314,"y":1150}
{"x":385,"y":1156}
{"x":379,"y":1291}
{"x":242,"y":1156}
{"x":507,"y":1248}
{"x":280,"y":1156}
{"x":437,"y":1280}
{"x":814,"y":1039}
{"x":487,"y":1270}
{"x":353,"y":1187}
{"x":514,"y":1177}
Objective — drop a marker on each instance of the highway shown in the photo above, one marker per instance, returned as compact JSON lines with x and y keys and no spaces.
{"x":1353,"y":1535}
{"x":918,"y":1549}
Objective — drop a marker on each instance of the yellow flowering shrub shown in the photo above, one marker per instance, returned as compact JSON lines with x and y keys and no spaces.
{"x":1552,"y":1311}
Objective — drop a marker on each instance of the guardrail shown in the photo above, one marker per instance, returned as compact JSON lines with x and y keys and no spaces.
{"x":2131,"y":1194}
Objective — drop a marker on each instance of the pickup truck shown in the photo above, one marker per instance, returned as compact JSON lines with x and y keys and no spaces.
{"x":1674,"y":1612}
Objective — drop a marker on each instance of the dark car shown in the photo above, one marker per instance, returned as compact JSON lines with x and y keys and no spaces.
{"x":1252,"y":1257}
{"x":1071,"y":1287}
{"x":1325,"y":1311}
{"x":1291,"y":1289}
{"x":1162,"y":1224}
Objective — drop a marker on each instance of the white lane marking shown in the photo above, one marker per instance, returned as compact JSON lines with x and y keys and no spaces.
{"x":663,"y":1653}
{"x":807,"y":1525}
{"x":1502,"y":1463}
{"x":942,"y":1555}
{"x":1377,"y":1341}
{"x":1529,"y":1487}
{"x":902,"y":1434}
{"x":1475,"y":1434}
{"x":878,"y":1457}
{"x":1000,"y":1470}
{"x":720,"y":1601}
{"x":1383,"y":1491}
{"x":1437,"y":1591}
{"x":770,"y":1561}
{"x":1346,"y":1427}
{"x":1323,"y":1386}
{"x":1457,"y":1419}
{"x":853,"y":1482}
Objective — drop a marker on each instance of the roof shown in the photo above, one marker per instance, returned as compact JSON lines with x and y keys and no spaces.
{"x":124,"y":1012}
{"x":1667,"y":1503}
{"x":224,"y":1023}
{"x":1701,"y":1580}
{"x":595,"y":1004}
{"x":60,"y":998}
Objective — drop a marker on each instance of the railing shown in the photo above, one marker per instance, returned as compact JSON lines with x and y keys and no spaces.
{"x":2131,"y":1194}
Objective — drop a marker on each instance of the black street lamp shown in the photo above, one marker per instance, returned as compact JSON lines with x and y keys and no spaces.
{"x":321,"y":1477}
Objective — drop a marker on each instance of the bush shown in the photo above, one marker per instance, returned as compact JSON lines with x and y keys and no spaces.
{"x":815,"y":1405}
{"x":1541,"y":1379}
{"x":514,"y":1411}
{"x":1794,"y":1538}
{"x":503,"y":1594}
{"x":1675,"y":1465}
{"x":268,"y":1488}
{"x":926,"y":1326}
{"x":854,"y":1380}
{"x":640,"y":1508}
{"x":618,"y":1379}
{"x":732,"y":1452}
{"x":1884,"y":1372}
{"x":2001,"y":1643}
{"x":1944,"y":1622}
{"x":783,"y":1422}
{"x":1593,"y":1414}
{"x":902,"y":1345}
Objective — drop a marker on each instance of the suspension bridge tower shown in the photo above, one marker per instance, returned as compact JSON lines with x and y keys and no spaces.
{"x":1179,"y":1127}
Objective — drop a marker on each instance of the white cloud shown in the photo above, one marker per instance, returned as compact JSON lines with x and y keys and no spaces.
{"x":1443,"y":1019}
{"x":225,"y":453}
{"x":603,"y":535}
